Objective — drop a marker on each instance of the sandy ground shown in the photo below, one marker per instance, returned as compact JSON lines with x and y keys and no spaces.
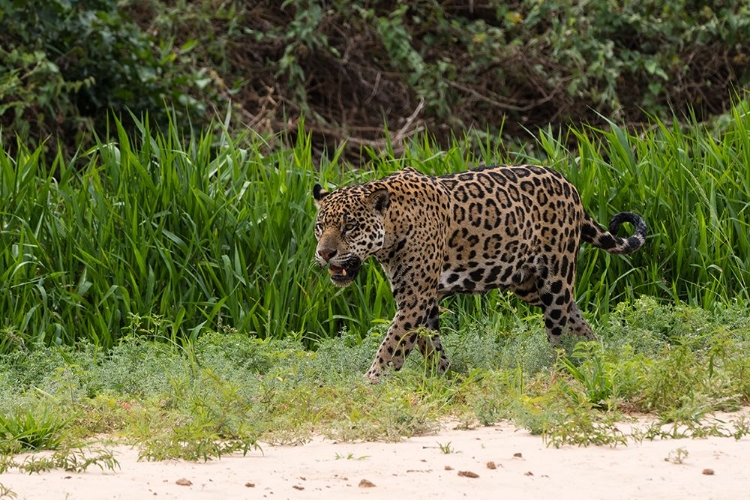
{"x":524,"y":468}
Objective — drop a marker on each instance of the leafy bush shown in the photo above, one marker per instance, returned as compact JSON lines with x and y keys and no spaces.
{"x":66,"y":64}
{"x":354,"y":67}
{"x":493,"y":65}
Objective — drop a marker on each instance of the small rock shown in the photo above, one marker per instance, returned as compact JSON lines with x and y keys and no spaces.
{"x":298,"y":487}
{"x":468,"y":473}
{"x":366,"y":484}
{"x":517,"y":455}
{"x":448,"y":467}
{"x":183,"y":482}
{"x":708,"y":472}
{"x":249,"y":485}
{"x":491,"y":465}
{"x":529,"y":473}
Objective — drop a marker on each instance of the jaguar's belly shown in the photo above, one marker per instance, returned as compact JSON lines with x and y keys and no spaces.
{"x":477,"y":277}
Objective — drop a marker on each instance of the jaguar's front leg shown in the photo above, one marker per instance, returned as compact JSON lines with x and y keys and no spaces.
{"x":398,"y":342}
{"x":412,"y":314}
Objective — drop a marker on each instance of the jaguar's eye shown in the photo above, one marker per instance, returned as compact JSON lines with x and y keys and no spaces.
{"x":350,"y":226}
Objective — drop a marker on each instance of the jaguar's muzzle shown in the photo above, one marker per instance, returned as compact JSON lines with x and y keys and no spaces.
{"x":344,"y":273}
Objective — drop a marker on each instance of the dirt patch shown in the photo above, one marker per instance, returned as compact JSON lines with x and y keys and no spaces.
{"x":418,"y":468}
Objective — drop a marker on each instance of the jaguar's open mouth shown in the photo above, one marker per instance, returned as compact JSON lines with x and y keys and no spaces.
{"x":343,"y":276}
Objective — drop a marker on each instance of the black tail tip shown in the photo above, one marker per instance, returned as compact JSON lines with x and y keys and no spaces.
{"x":636,"y":220}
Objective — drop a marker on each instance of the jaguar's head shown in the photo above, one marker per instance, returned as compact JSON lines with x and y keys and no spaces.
{"x":349,"y":228}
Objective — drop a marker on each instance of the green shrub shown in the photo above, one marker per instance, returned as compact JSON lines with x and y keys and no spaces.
{"x":353,"y":68}
{"x":66,"y":64}
{"x":493,"y":65}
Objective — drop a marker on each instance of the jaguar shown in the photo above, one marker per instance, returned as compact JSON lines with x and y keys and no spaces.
{"x":516,"y":228}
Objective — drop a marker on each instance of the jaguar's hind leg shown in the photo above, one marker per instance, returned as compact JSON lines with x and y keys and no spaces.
{"x":527,"y":291}
{"x":561,"y":313}
{"x":554,"y":294}
{"x":577,"y":325}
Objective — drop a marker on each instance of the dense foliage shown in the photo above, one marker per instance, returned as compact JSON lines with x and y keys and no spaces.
{"x":172,"y":235}
{"x":64,"y":65}
{"x":351,"y":67}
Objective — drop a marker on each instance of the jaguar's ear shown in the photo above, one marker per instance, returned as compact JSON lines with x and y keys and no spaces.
{"x":319,"y":193}
{"x":379,"y":200}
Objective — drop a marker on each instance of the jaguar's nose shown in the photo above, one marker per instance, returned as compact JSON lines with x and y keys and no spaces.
{"x":327,"y":253}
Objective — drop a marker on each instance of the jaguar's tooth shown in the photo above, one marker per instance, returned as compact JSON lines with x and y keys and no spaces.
{"x":343,"y":272}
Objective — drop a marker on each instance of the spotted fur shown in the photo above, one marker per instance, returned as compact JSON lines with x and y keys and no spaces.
{"x":514,"y":228}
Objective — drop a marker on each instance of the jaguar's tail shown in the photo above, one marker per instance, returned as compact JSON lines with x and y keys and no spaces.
{"x":592,"y":232}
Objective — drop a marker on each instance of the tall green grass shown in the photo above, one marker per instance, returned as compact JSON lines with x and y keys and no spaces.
{"x":169,"y":235}
{"x":693,"y":189}
{"x":174,"y":235}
